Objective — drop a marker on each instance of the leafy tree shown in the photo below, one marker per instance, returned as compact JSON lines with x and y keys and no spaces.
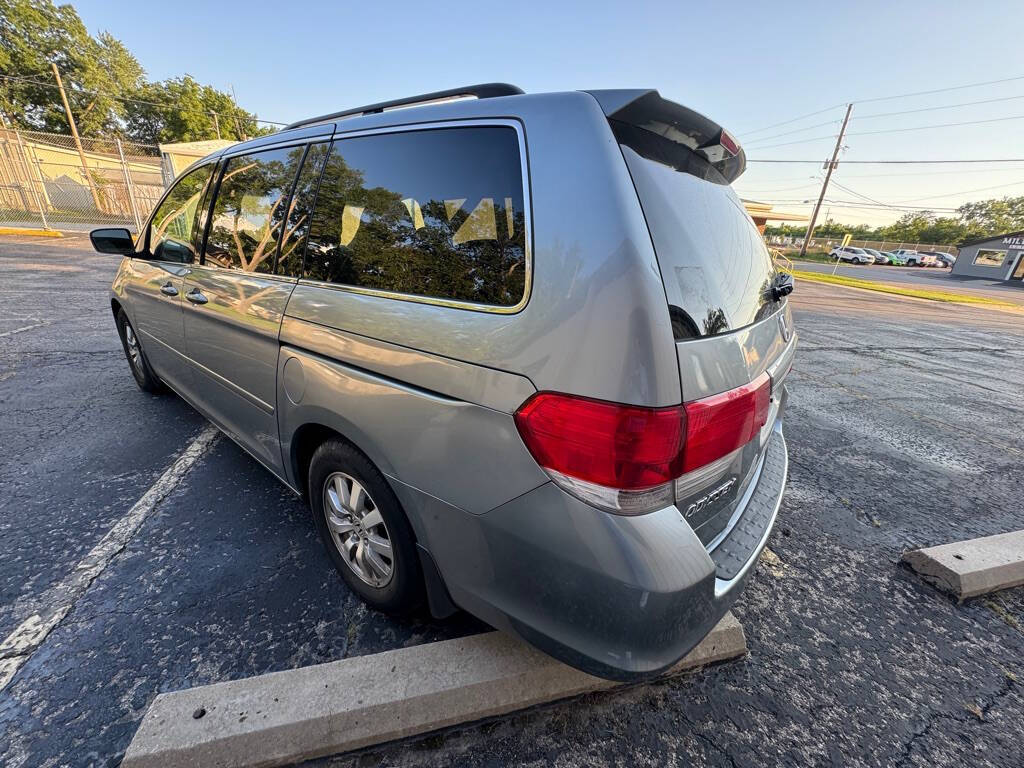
{"x":181,"y":109}
{"x":993,"y":217}
{"x":101,"y":77}
{"x":36,"y":33}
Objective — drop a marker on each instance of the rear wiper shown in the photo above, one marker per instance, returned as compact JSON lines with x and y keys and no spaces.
{"x":781,"y":286}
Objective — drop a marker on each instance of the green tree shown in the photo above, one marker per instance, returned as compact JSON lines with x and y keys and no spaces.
{"x":35,"y":34}
{"x":993,"y":217}
{"x":181,"y":109}
{"x":104,"y":83}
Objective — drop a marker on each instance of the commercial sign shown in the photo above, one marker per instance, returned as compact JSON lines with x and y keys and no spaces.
{"x":1016,"y":240}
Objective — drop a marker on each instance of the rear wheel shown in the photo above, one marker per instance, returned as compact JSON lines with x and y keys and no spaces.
{"x":367,"y":535}
{"x":141,"y":370}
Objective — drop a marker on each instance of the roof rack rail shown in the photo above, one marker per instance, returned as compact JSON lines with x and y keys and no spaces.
{"x":481,"y":91}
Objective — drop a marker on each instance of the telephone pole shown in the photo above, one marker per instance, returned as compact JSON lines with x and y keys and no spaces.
{"x":78,"y":141}
{"x":824,"y":186}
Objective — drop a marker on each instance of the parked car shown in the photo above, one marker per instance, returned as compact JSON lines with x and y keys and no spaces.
{"x":915,"y":258}
{"x":852,"y":255}
{"x":879,"y":256}
{"x":895,"y":259}
{"x":942,"y":259}
{"x":380,"y":306}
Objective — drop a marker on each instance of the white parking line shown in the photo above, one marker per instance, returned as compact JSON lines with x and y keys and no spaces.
{"x":20,"y":330}
{"x":61,"y":598}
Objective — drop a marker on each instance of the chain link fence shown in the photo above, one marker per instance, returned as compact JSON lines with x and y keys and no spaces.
{"x":47,"y":181}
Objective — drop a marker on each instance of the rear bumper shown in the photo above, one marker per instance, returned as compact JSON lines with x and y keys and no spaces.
{"x":620,"y":597}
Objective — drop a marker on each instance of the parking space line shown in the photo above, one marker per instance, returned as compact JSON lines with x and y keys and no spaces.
{"x":22,"y":329}
{"x":18,"y":647}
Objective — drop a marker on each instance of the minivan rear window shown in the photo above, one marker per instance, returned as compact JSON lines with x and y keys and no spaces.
{"x":714,"y":263}
{"x":436,"y":213}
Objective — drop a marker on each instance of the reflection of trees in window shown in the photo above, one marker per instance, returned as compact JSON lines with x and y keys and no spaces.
{"x":175,"y":218}
{"x":465,"y":249}
{"x":715,"y":322}
{"x":299,"y":209}
{"x":249,"y":209}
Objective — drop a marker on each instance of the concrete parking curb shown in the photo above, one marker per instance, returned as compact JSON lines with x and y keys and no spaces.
{"x":286,"y":717}
{"x":974,"y":567}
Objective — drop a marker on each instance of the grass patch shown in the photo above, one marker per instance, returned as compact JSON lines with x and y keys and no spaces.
{"x":900,"y":290}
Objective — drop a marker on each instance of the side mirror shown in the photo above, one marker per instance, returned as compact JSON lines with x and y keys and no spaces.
{"x":114,"y":240}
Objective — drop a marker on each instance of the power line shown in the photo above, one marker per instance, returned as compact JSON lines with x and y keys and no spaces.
{"x":962,"y":192}
{"x":891,"y":130}
{"x":890,"y":162}
{"x":932,"y":109}
{"x":922,"y":173}
{"x":861,"y":204}
{"x":793,"y":120}
{"x":858,"y":194}
{"x":937,"y":125}
{"x":886,"y":98}
{"x":940,"y":90}
{"x":795,"y":130}
{"x":798,"y":141}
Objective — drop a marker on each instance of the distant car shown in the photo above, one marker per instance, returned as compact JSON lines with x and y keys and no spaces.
{"x":852,"y":255}
{"x":895,"y":259}
{"x":880,"y":258}
{"x":915,"y":259}
{"x":942,"y":259}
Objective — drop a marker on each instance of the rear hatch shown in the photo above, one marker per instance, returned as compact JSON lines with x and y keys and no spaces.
{"x":733,"y":331}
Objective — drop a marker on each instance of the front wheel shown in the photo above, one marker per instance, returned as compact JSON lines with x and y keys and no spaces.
{"x":367,"y":535}
{"x":141,"y":370}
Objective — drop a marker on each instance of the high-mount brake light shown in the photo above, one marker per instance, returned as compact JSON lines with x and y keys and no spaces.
{"x":625,"y":458}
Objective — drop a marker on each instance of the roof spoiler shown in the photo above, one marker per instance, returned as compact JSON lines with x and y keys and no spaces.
{"x":647,"y":110}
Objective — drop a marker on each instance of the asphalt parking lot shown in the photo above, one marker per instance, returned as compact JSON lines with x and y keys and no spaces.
{"x":903,"y":429}
{"x":931,"y":278}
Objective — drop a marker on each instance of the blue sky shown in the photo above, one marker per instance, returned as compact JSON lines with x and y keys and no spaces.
{"x":746,"y":65}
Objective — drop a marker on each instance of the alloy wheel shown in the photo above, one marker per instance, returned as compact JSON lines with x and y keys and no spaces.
{"x":134,"y":351}
{"x":358,"y":529}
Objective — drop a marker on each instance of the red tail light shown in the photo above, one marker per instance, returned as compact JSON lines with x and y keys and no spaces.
{"x":619,"y":446}
{"x":718,"y":425}
{"x":625,"y":457}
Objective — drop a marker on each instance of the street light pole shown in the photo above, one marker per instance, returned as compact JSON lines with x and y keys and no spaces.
{"x":824,"y":186}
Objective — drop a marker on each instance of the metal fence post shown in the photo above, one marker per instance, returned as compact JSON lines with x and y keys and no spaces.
{"x":28,"y":177}
{"x":129,"y":187}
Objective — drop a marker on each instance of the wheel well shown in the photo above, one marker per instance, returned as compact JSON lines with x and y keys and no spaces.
{"x":115,"y":307}
{"x":305,"y":441}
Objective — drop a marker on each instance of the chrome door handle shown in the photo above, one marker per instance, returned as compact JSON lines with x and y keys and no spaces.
{"x":196,"y":296}
{"x":168,"y":290}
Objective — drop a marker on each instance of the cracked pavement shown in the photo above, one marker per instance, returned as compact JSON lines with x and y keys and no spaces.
{"x":903,"y":429}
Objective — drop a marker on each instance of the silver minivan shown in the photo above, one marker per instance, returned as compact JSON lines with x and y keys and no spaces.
{"x":523,"y":354}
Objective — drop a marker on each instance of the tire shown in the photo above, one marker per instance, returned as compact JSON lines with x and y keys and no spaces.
{"x":356,"y":547}
{"x":136,"y":356}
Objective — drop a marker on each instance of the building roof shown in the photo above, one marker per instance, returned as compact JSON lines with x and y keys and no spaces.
{"x":1018,"y":233}
{"x":764,"y":211}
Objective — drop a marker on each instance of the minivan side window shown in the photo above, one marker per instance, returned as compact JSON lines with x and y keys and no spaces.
{"x":250,"y":207}
{"x":173,"y":234}
{"x":437,"y":213}
{"x":293,"y":240}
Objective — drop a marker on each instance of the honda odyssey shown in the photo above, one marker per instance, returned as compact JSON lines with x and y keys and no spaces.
{"x":523,"y":354}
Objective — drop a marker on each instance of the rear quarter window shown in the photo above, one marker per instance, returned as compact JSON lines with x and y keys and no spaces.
{"x":435,"y":213}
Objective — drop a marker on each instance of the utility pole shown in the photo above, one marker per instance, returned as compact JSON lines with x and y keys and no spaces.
{"x":216,"y":124}
{"x":824,"y":186}
{"x":78,"y":141}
